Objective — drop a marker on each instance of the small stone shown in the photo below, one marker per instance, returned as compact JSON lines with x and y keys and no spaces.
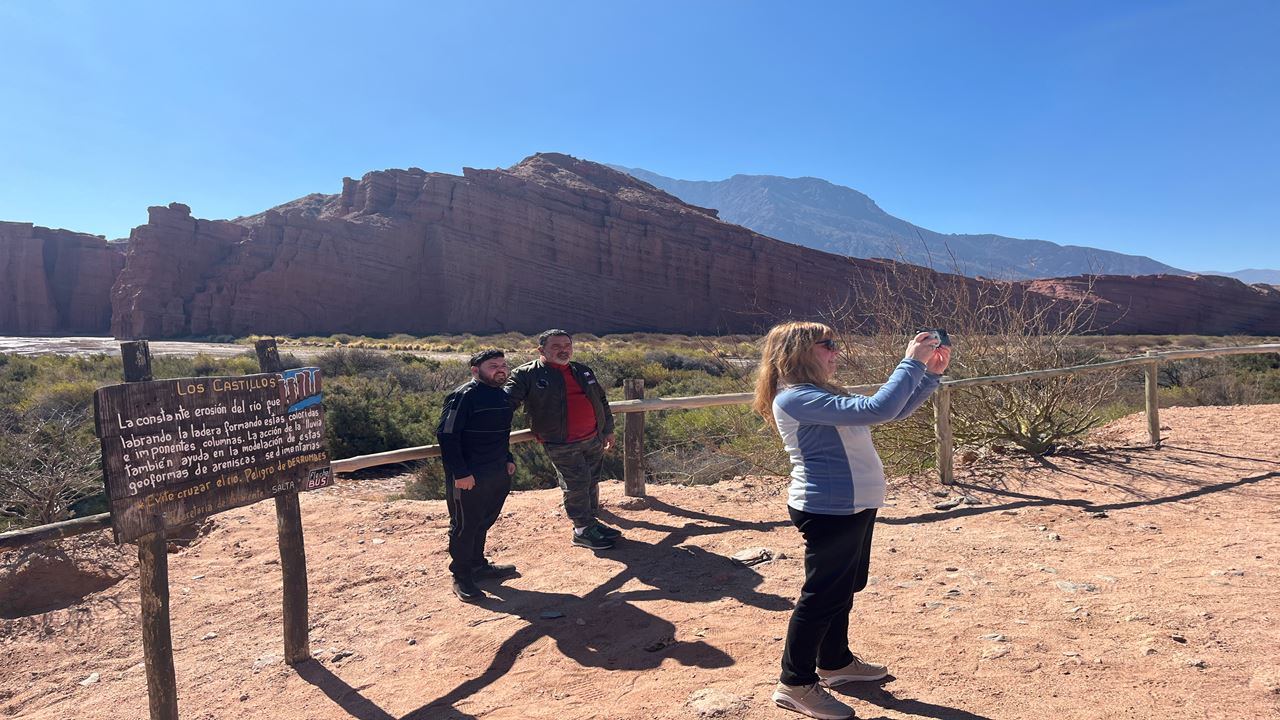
{"x":342,"y":655}
{"x":995,"y":651}
{"x":940,"y":493}
{"x":952,"y":593}
{"x":1178,"y":638}
{"x":947,"y":504}
{"x":244,"y":696}
{"x":716,"y":703}
{"x":632,"y":503}
{"x":1047,"y":569}
{"x":197,"y":577}
{"x":265,"y":661}
{"x":1197,"y":663}
{"x":994,"y":637}
{"x":378,"y":541}
{"x":580,"y":621}
{"x":93,"y":678}
{"x":412,"y":641}
{"x":550,"y":614}
{"x":209,"y":636}
{"x":271,"y":561}
{"x":752,"y":556}
{"x":1071,"y":587}
{"x":1041,"y":528}
{"x":1054,"y":536}
{"x":1096,"y":514}
{"x":970,"y":500}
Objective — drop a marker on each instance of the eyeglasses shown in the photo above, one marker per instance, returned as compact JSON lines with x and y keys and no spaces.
{"x":829,"y":344}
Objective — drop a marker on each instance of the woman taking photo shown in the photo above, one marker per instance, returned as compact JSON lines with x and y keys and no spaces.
{"x":837,"y":484}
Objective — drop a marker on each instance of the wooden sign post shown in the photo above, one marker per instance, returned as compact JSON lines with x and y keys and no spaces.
{"x":175,"y":451}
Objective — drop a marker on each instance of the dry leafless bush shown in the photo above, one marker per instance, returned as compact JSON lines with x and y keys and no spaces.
{"x":47,"y":462}
{"x":996,"y":329}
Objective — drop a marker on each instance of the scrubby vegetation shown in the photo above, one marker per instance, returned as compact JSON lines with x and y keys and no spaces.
{"x":378,"y":400}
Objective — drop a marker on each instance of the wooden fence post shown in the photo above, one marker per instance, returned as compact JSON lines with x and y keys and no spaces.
{"x":293,"y":555}
{"x":633,"y":441}
{"x":942,"y":431}
{"x":1152,"y":372}
{"x":153,"y":580}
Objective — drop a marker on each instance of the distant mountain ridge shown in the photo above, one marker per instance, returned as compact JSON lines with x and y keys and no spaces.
{"x":819,"y":214}
{"x":1252,"y":276}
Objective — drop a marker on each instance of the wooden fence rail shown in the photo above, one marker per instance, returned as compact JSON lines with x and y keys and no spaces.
{"x":635,"y":484}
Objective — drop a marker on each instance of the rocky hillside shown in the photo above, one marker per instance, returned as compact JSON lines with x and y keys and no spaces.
{"x":55,"y":282}
{"x":551,"y":241}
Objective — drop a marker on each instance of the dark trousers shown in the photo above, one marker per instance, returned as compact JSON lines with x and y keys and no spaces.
{"x":837,"y":551}
{"x":578,"y":468}
{"x":471,"y":514}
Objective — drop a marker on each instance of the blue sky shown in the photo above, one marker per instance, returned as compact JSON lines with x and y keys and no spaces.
{"x":1141,"y":127}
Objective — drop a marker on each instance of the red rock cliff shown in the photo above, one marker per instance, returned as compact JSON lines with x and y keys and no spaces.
{"x":55,"y":282}
{"x":552,"y":241}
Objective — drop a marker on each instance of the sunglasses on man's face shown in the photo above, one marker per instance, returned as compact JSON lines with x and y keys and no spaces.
{"x":829,"y":344}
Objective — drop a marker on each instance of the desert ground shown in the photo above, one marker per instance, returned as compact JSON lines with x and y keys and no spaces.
{"x":1112,"y":581}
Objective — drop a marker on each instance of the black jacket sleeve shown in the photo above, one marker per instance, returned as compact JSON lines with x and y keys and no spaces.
{"x":608,"y":415}
{"x":452,"y":421}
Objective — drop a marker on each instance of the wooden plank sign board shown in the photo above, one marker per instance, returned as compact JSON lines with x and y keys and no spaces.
{"x":174,"y":451}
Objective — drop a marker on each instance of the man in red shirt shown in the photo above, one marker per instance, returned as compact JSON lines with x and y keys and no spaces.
{"x":569,"y":414}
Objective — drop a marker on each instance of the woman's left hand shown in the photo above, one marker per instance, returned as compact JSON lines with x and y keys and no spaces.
{"x":938,"y":363}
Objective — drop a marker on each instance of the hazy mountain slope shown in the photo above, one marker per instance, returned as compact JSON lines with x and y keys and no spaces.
{"x":818,"y":214}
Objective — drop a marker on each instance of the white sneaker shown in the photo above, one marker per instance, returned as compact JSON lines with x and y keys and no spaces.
{"x":856,"y":671}
{"x":811,"y":700}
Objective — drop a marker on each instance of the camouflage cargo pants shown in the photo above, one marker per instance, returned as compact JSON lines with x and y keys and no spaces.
{"x":578,"y":467}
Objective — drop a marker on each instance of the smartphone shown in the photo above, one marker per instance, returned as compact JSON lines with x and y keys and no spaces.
{"x":940,"y":335}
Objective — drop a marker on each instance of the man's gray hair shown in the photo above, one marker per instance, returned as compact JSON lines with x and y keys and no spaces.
{"x":548,"y":334}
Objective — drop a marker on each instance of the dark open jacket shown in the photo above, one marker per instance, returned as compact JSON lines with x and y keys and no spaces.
{"x":474,"y":429}
{"x":540,"y":387}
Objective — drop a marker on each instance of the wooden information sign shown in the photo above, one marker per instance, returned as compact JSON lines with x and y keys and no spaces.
{"x":174,"y":451}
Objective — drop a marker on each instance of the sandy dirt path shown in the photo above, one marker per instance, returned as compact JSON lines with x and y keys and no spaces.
{"x":1121,"y":582}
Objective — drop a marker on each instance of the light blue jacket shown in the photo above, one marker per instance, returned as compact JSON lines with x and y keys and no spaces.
{"x":835,"y":468}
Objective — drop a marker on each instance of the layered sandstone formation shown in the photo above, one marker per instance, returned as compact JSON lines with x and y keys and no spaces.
{"x":553,"y":241}
{"x":1170,"y":304}
{"x":55,"y":282}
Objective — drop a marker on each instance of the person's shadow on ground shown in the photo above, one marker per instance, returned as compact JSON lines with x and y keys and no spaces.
{"x":615,"y":634}
{"x":876,"y":694}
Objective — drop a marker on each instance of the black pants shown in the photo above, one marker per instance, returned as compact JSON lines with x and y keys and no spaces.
{"x":471,"y":514}
{"x":837,"y":551}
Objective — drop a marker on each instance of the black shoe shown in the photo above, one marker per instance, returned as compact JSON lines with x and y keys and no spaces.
{"x":592,"y":538}
{"x":467,"y":591}
{"x":493,"y":570}
{"x":611,"y":533}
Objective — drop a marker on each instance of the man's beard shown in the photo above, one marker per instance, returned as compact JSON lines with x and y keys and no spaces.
{"x":491,"y":379}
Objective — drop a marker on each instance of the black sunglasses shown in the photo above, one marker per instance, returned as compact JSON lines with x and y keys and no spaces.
{"x":829,"y":344}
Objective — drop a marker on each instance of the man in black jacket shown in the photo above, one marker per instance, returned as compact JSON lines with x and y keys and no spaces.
{"x":569,"y":414}
{"x":474,"y":433}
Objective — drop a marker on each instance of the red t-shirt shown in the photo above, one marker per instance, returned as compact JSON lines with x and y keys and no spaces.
{"x":582,"y":416}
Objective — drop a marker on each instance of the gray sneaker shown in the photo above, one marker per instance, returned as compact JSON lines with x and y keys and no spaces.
{"x":856,"y":671}
{"x":811,"y":700}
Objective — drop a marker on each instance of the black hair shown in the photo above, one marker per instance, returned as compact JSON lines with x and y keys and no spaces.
{"x":548,"y":334}
{"x":485,"y":355}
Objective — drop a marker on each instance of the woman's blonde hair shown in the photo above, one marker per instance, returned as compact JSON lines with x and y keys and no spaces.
{"x":787,"y":357}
